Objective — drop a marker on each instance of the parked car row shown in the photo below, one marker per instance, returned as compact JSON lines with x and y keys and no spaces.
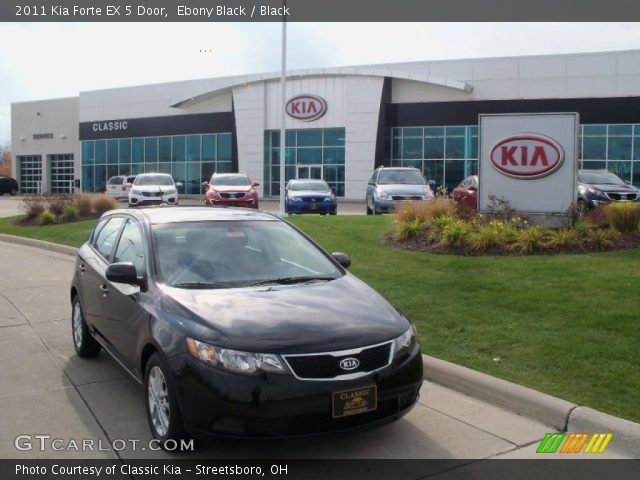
{"x":595,"y":188}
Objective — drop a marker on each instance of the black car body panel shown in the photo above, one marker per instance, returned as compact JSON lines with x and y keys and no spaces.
{"x":334,"y":318}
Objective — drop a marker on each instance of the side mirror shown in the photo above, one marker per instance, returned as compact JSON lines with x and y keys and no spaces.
{"x":255,"y":184}
{"x":205,"y":184}
{"x":124,"y":272}
{"x":432,"y":184}
{"x":342,"y":258}
{"x":472,"y":188}
{"x":179,"y":184}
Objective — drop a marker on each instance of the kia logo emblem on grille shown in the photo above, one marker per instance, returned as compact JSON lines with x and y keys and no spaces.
{"x":349,"y":363}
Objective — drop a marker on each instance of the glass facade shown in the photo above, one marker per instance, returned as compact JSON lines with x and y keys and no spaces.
{"x":190,"y":159}
{"x":449,"y":154}
{"x":310,"y":153}
{"x":61,"y":173}
{"x":444,"y":154}
{"x":30,"y":173}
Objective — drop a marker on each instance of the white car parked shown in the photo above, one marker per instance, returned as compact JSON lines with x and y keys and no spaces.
{"x":119,"y":186}
{"x":153,"y":189}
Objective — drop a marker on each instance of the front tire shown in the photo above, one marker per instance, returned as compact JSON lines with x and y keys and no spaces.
{"x":163,"y":412}
{"x":369,"y":211}
{"x":85,"y":345}
{"x":582,"y":208}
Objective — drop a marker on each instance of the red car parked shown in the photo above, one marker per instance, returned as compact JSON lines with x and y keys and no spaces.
{"x":466,"y":193}
{"x":231,"y":190}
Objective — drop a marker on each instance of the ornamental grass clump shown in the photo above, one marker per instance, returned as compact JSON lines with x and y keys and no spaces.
{"x":426,"y":211}
{"x":409,"y":229}
{"x":70,"y":213}
{"x":455,"y":234}
{"x":624,"y":217}
{"x":103,"y":203}
{"x":47,"y":218}
{"x":83,"y":203}
{"x":532,"y":239}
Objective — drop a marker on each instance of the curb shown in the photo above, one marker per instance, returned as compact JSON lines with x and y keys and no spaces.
{"x":32,"y":242}
{"x":546,"y":409}
{"x":552,"y":411}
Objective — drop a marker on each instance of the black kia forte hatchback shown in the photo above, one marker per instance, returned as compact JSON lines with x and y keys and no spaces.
{"x":238,"y":324}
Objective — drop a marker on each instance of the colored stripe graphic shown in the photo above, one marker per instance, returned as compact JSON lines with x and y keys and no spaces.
{"x":550,"y":443}
{"x":573,"y":442}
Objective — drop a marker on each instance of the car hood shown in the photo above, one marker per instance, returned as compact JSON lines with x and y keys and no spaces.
{"x":405,"y":189}
{"x":309,"y":193}
{"x":304,"y":318}
{"x":152,"y":188}
{"x":605,"y":187}
{"x":231,"y":188}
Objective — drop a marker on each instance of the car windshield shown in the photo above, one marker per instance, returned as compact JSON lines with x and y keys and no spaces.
{"x":147,"y":180}
{"x":313,"y":185}
{"x":602,"y":178}
{"x":115,"y":181}
{"x":400,"y":177}
{"x":232,"y":180}
{"x":237,"y":254}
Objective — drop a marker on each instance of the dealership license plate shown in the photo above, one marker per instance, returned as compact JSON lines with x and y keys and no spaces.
{"x":355,"y":401}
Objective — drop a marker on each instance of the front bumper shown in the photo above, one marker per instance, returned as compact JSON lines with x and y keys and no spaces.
{"x":306,"y":206}
{"x":219,"y":403}
{"x":142,"y":200}
{"x":382,"y":206}
{"x":245,"y":203}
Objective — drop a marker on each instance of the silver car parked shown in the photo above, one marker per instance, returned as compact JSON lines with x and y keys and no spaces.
{"x":390,"y":186}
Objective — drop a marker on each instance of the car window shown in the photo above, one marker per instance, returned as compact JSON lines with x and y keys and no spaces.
{"x":146,"y":180}
{"x":107,"y":237}
{"x":400,"y":177}
{"x":131,"y":248}
{"x":115,"y":181}
{"x":373,"y":177}
{"x":237,"y":254}
{"x":231,"y":180}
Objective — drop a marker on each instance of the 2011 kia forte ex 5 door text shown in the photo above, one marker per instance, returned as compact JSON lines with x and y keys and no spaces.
{"x":238,"y":324}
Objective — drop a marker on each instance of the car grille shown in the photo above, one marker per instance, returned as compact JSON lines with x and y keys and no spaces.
{"x":232,"y":195}
{"x":327,"y":366}
{"x":313,"y":199}
{"x":406,"y":197}
{"x":151,"y":194}
{"x":622,"y":196}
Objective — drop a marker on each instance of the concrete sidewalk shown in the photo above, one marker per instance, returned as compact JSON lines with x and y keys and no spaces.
{"x":46,"y":389}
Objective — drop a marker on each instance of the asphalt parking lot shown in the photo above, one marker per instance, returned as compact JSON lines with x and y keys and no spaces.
{"x":46,"y":389}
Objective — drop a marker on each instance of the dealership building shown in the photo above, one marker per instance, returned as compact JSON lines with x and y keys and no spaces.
{"x":341,"y":122}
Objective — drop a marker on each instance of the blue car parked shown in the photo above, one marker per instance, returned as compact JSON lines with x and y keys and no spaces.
{"x":310,"y":196}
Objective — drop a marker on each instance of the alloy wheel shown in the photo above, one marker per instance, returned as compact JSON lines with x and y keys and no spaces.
{"x":158,"y":398}
{"x":77,"y":325}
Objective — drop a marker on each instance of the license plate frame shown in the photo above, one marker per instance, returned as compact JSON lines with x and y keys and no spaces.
{"x":354,"y":401}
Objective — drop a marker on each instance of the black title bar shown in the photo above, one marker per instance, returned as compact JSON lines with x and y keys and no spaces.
{"x":319,"y":11}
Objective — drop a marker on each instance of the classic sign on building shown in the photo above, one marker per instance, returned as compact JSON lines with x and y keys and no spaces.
{"x":530,"y":161}
{"x":306,"y":107}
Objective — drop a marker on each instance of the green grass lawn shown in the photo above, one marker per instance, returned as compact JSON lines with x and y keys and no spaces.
{"x":565,"y":325}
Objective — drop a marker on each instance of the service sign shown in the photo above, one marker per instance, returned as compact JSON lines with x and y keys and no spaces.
{"x":306,"y":107}
{"x":530,"y":160}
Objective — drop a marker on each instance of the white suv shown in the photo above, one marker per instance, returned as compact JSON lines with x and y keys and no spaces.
{"x":119,"y":186}
{"x":153,"y":189}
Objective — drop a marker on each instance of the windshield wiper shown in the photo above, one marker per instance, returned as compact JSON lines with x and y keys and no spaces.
{"x":291,"y":280}
{"x":200,"y":285}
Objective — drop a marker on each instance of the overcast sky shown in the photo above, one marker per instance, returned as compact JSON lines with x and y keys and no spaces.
{"x":47,"y":60}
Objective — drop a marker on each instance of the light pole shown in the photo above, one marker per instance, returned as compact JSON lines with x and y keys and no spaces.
{"x":283,"y":107}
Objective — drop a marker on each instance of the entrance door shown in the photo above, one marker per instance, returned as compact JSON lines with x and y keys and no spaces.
{"x":310,"y":171}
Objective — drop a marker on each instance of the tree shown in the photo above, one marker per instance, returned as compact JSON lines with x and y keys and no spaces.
{"x":5,"y":159}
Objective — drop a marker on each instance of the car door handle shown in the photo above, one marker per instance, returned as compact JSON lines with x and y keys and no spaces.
{"x":104,"y":289}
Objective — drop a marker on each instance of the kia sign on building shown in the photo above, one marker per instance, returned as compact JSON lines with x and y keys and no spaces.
{"x":530,"y":160}
{"x":306,"y":107}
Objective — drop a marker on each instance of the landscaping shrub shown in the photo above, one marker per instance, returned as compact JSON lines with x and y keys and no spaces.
{"x":70,"y":213}
{"x":597,"y":217}
{"x":32,"y":207}
{"x":455,"y":233}
{"x":83,"y":203}
{"x":440,"y":223}
{"x":426,"y":211}
{"x":603,"y":238}
{"x":566,"y":238}
{"x":532,"y":239}
{"x":47,"y":218}
{"x":56,"y":203}
{"x":487,"y":237}
{"x":624,"y":217}
{"x":409,"y":229}
{"x":103,"y":203}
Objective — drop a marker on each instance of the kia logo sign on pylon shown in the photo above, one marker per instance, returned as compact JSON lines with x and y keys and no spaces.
{"x":306,"y":107}
{"x":527,"y":156}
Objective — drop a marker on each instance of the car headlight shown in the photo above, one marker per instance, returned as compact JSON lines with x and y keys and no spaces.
{"x":597,"y":193}
{"x":170,"y":191}
{"x":135,"y":192}
{"x":295,"y":199}
{"x":234,"y":360}
{"x":405,"y":341}
{"x":329,"y":199}
{"x":382,"y":195}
